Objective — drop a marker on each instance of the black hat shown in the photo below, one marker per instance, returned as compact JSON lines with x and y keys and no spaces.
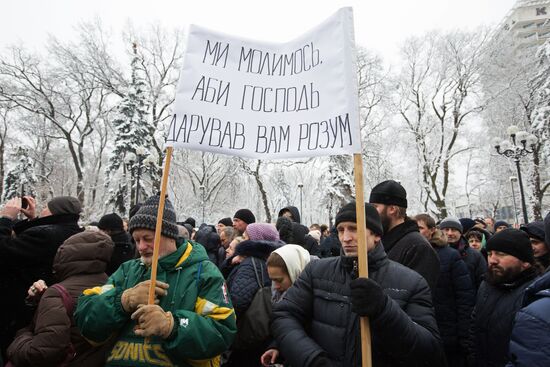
{"x":500,"y":223}
{"x":389,"y":193}
{"x":111,"y":222}
{"x":348,"y":214}
{"x":245,"y":215}
{"x":146,"y":217}
{"x":64,"y":205}
{"x":535,"y":230}
{"x":226,"y":222}
{"x":451,"y":222}
{"x":512,"y":242}
{"x":467,"y":224}
{"x":191,"y":221}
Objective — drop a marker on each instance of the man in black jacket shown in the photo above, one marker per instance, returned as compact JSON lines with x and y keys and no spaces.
{"x":317,"y":322}
{"x":499,"y":297}
{"x":112,"y":225}
{"x":27,"y":250}
{"x":402,"y":240}
{"x":474,"y":259}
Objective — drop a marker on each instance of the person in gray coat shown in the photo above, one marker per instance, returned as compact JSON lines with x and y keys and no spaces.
{"x":317,"y":322}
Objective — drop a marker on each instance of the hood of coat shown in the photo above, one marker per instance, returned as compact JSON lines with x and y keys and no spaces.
{"x":294,"y":211}
{"x":438,"y":239}
{"x":538,"y":289}
{"x":260,"y":249}
{"x":87,"y":252}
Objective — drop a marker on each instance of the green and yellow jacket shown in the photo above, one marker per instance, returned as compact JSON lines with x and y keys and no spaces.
{"x":203,"y":314}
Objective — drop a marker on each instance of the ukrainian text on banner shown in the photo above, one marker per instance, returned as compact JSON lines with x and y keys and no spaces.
{"x":265,"y":100}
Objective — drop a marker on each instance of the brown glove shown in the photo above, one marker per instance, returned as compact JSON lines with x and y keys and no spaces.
{"x":139,"y":295}
{"x":152,"y":320}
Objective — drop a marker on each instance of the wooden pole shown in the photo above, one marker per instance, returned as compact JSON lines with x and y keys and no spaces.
{"x":154,"y":264}
{"x":366,"y":350}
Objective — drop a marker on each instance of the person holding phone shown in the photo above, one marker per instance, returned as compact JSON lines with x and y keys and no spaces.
{"x":27,"y":250}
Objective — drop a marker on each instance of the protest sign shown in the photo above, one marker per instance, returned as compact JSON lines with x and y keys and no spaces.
{"x":266,"y":100}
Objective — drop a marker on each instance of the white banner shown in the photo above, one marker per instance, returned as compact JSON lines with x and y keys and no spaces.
{"x":268,"y":101}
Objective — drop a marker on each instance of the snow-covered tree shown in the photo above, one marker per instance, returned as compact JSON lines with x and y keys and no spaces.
{"x":21,"y":176}
{"x":438,"y":93}
{"x":134,"y":139}
{"x":340,"y":188}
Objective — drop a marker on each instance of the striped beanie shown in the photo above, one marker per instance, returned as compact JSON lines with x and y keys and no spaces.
{"x":146,"y":217}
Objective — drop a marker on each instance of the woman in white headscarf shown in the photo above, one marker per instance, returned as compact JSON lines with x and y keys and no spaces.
{"x":284,"y":265}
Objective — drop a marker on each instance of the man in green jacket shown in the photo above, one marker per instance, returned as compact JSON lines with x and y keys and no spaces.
{"x":193,"y":320}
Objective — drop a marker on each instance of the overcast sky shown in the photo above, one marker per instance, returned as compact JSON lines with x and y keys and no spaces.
{"x":379,"y":25}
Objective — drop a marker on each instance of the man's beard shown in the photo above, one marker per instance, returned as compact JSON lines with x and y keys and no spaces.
{"x":504,"y":276}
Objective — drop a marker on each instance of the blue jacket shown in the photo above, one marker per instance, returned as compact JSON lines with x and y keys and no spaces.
{"x":530,"y":341}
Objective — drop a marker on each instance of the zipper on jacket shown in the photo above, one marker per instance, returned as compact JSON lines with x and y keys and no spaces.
{"x":173,"y":294}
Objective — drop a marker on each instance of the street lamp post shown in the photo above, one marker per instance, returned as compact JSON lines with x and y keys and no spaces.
{"x":141,"y":152}
{"x":512,"y":180}
{"x":129,"y":159}
{"x":511,"y":149}
{"x":202,"y":188}
{"x":301,"y":187}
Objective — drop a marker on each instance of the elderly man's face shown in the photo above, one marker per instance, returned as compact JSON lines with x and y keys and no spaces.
{"x":239,"y":225}
{"x":145,"y":242}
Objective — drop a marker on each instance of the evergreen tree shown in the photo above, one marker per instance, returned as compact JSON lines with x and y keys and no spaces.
{"x":21,"y":177}
{"x":133,"y":142}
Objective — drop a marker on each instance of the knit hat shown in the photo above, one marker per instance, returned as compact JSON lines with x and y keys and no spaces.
{"x":262,"y":231}
{"x":348,"y":214}
{"x":467,"y":224}
{"x":226,"y":222}
{"x":64,"y":205}
{"x":534,"y":229}
{"x":389,"y":193}
{"x":245,"y":215}
{"x":512,"y":242}
{"x":146,"y":217}
{"x":451,"y":222}
{"x":500,"y":223}
{"x":475,"y":233}
{"x":111,"y":222}
{"x":191,"y":221}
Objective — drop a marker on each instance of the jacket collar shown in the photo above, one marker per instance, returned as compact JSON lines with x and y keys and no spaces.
{"x":376,"y":259}
{"x":399,"y":231}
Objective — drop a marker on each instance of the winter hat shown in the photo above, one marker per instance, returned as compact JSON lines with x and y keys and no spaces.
{"x":499,"y":223}
{"x":534,"y":229}
{"x":191,"y":221}
{"x":347,"y":214}
{"x":295,"y":257}
{"x":64,"y":205}
{"x":451,"y":222}
{"x":146,"y":217}
{"x":467,"y":224}
{"x":245,"y":215}
{"x":111,"y":222}
{"x":389,"y":193}
{"x":547,"y":229}
{"x":226,"y":222}
{"x":512,"y":242}
{"x":262,"y":231}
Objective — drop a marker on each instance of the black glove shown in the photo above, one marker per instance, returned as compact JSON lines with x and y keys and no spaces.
{"x":367,"y":298}
{"x":321,"y":361}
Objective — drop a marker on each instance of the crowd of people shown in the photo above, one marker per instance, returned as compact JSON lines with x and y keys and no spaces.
{"x":455,"y":292}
